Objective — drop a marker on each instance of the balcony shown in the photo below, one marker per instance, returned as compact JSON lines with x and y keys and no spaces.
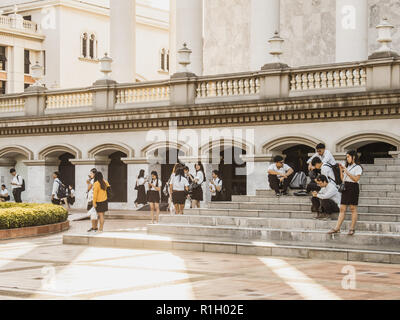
{"x":15,"y":24}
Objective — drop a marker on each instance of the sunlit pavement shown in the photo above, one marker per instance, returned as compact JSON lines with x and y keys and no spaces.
{"x":44,"y":268}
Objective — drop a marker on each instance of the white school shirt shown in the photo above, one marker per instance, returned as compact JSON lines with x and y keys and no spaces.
{"x":327,"y":157}
{"x":154,"y":182}
{"x":140,"y":182}
{"x":327,"y":171}
{"x":282,"y":170}
{"x":4,"y":193}
{"x":179,"y":183}
{"x":56,"y":184}
{"x":330,"y":192}
{"x":90,"y":193}
{"x":199,"y":177}
{"x":354,"y":170}
{"x":218,"y":183}
{"x":18,"y":180}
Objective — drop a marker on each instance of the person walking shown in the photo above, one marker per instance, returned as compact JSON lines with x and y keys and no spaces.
{"x":198,"y":179}
{"x":16,"y":185}
{"x":4,"y":195}
{"x":179,"y":185}
{"x":100,"y":201}
{"x":351,"y":175}
{"x":141,"y":189}
{"x":59,"y":195}
{"x":154,"y":195}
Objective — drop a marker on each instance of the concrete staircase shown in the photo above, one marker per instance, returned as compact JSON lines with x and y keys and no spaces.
{"x":267,"y":225}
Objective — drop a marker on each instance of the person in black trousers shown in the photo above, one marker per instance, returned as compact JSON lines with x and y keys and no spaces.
{"x":327,"y":200}
{"x":279,"y":176}
{"x":16,"y":183}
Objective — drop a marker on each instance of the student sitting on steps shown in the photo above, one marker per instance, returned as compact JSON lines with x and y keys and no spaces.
{"x":279,"y":176}
{"x":327,"y":200}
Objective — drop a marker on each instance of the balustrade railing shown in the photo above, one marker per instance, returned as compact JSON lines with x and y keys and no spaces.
{"x":8,"y":105}
{"x":228,"y":87}
{"x":69,"y":100}
{"x":143,"y":94}
{"x":31,"y":26}
{"x":5,"y":21}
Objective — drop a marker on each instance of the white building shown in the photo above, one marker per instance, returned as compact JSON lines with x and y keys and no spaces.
{"x":68,"y":37}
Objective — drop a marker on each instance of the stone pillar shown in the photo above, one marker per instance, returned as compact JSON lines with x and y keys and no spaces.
{"x":186,"y":26}
{"x":351,"y":30}
{"x":257,"y":175}
{"x":16,"y":70}
{"x":123,"y":40}
{"x":265,"y":20}
{"x":134,"y":167}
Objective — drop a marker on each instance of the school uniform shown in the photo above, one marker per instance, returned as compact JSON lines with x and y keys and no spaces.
{"x":141,"y":189}
{"x":328,"y":199}
{"x":274,"y":180}
{"x":17,"y":188}
{"x":216,"y":195}
{"x":153,"y":195}
{"x":4,"y":195}
{"x":179,"y":185}
{"x":197,"y":193}
{"x":100,"y":200}
{"x":351,"y":194}
{"x":327,"y":157}
{"x":55,"y":200}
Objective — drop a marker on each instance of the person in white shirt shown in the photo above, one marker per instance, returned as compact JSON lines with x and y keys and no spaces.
{"x":322,"y":169}
{"x":90,"y":183}
{"x":141,"y":189}
{"x":198,"y":178}
{"x":327,"y":200}
{"x":4,"y":195}
{"x":16,"y":185}
{"x":216,"y":185}
{"x":154,"y":195}
{"x":71,"y":195}
{"x":178,"y":186}
{"x":279,"y":176}
{"x":56,"y":198}
{"x":325,"y":155}
{"x":351,"y":175}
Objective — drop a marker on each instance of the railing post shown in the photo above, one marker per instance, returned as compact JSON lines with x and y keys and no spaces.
{"x":35,"y":101}
{"x":383,"y":73}
{"x":274,"y":81}
{"x":183,"y":89}
{"x":104,"y":95}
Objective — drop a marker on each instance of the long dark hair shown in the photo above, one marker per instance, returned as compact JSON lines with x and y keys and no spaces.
{"x":154,"y":173}
{"x":99,"y":177}
{"x":201,"y":169}
{"x":353,"y":154}
{"x":179,"y":172}
{"x":141,"y":174}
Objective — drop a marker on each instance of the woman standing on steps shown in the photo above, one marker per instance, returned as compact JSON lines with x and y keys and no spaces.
{"x":351,"y":175}
{"x":199,"y":178}
{"x":153,"y":195}
{"x":141,"y":195}
{"x":179,"y":185}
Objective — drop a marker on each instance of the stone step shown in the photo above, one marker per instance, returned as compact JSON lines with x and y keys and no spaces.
{"x":381,"y":174}
{"x":380,"y":187}
{"x":276,"y":223}
{"x":306,"y":200}
{"x":387,"y":161}
{"x":384,"y":241}
{"x":380,"y":180}
{"x":297,"y":207}
{"x":382,"y":217}
{"x":364,"y":194}
{"x":381,"y":167}
{"x":232,"y":246}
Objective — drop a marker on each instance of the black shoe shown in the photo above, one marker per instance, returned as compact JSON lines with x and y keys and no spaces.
{"x":92,"y":230}
{"x":278,"y":194}
{"x":285,"y":193}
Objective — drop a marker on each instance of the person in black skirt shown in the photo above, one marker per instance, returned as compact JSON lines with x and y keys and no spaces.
{"x":198,"y":179}
{"x":153,"y":195}
{"x":179,"y":184}
{"x":140,"y":187}
{"x":351,"y":175}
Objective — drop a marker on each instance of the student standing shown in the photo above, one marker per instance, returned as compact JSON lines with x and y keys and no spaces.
{"x":16,"y":185}
{"x":351,"y":175}
{"x":199,"y":178}
{"x":100,"y":200}
{"x":279,"y":176}
{"x":154,"y":195}
{"x":327,"y":200}
{"x":56,"y":197}
{"x":325,"y":155}
{"x":141,"y":189}
{"x":216,"y":185}
{"x":90,"y":183}
{"x":177,"y":188}
{"x":4,"y":195}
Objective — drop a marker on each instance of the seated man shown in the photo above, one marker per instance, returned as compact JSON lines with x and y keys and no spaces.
{"x":279,"y":176}
{"x":4,"y":195}
{"x":327,"y":201}
{"x":323,"y":154}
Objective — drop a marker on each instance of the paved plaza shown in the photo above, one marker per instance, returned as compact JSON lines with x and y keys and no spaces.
{"x":44,"y":268}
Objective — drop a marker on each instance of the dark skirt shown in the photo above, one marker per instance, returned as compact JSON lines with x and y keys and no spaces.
{"x":351,"y":194}
{"x":153,"y":196}
{"x":90,"y":205}
{"x":179,"y":197}
{"x":102,"y":206}
{"x":141,"y":196}
{"x":197,"y":194}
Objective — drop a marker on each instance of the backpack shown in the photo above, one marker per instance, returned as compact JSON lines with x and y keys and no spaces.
{"x":23,"y":185}
{"x":62,"y":191}
{"x":299,"y":181}
{"x":110,"y":193}
{"x":336,"y":172}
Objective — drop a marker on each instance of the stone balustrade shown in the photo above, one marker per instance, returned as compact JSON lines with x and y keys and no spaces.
{"x":69,"y":100}
{"x":19,"y":24}
{"x":11,"y":105}
{"x":234,"y":86}
{"x":30,"y":26}
{"x":5,"y":21}
{"x":143,"y":93}
{"x":322,"y":78}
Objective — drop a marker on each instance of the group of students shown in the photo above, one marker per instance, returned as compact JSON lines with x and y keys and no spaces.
{"x":17,"y":186}
{"x":334,"y":187}
{"x":181,"y":187}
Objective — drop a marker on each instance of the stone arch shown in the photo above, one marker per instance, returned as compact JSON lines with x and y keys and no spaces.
{"x":58,"y":150}
{"x":150,"y":149}
{"x":279,"y":144}
{"x":109,"y":148}
{"x":14,"y":150}
{"x":355,"y":141}
{"x":207,"y":148}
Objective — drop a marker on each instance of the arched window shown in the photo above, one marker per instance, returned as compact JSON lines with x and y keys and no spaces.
{"x":84,"y":45}
{"x":91,"y":46}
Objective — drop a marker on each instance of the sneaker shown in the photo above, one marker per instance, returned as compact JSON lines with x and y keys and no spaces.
{"x":278,"y":194}
{"x":92,"y":230}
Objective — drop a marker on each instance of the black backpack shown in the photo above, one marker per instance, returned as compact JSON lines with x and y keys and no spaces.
{"x":110,"y":193}
{"x":336,"y":172}
{"x":62,"y":191}
{"x":23,"y":185}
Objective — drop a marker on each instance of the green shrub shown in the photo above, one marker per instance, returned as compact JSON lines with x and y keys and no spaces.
{"x":22,"y":215}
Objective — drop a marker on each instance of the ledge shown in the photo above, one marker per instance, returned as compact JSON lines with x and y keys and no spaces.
{"x":33,"y":231}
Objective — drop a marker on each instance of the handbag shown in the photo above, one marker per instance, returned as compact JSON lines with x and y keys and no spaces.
{"x":193,"y":186}
{"x":342,"y":188}
{"x":92,"y":213}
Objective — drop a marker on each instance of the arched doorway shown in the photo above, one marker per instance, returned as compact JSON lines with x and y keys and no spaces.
{"x":376,"y":150}
{"x":297,"y":156}
{"x":118,"y":177}
{"x":67,"y":169}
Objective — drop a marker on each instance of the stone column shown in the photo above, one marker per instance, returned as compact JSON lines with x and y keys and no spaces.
{"x":186,"y":26}
{"x":257,"y":175}
{"x":265,"y":20}
{"x":134,"y":167}
{"x":351,"y":30}
{"x":16,"y":69}
{"x":123,"y":40}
